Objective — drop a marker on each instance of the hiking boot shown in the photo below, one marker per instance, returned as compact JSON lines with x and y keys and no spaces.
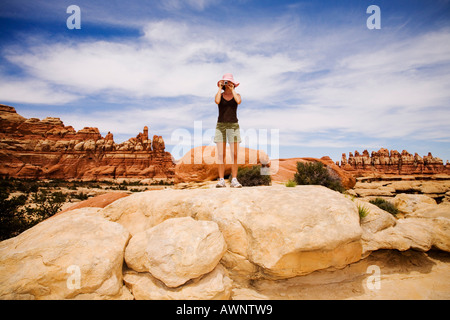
{"x":221,"y":183}
{"x":235,"y":183}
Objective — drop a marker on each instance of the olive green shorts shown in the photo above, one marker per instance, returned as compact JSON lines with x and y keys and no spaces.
{"x":227,"y":131}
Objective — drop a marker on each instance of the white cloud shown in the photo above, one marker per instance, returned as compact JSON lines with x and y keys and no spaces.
{"x":171,"y":59}
{"x":199,"y":5}
{"x":32,"y":91}
{"x":291,"y":79}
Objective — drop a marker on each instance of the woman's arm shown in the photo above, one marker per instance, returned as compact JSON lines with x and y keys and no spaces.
{"x":219,"y":93}
{"x":237,"y":96}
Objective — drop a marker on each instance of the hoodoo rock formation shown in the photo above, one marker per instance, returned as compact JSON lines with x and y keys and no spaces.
{"x":393,"y":162}
{"x":33,"y":148}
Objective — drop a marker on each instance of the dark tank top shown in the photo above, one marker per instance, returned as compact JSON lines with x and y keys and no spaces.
{"x":228,"y":110}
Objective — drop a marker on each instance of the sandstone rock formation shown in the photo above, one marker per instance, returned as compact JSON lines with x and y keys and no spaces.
{"x":428,"y":228}
{"x":393,"y":162}
{"x":213,"y":244}
{"x":177,"y":250}
{"x":215,"y":285}
{"x":38,"y":263}
{"x":200,"y":163}
{"x":33,"y":148}
{"x":178,"y":259}
{"x":404,"y":275}
{"x":408,"y":203}
{"x":388,"y":186}
{"x":411,"y":233}
{"x":276,"y":232}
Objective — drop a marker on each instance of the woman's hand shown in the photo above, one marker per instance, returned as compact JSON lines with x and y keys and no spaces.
{"x":230,"y":86}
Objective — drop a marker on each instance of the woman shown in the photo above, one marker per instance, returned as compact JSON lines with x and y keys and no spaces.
{"x":227,"y":127}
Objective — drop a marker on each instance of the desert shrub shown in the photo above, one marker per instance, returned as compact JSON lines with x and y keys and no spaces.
{"x":385,"y":205}
{"x":162,"y":183}
{"x":249,"y":177}
{"x":19,"y":213}
{"x":24,"y":185}
{"x":290,"y":183}
{"x":80,"y":196}
{"x":363,"y":211}
{"x":314,"y":173}
{"x":123,"y":186}
{"x":46,"y":205}
{"x":12,"y":220}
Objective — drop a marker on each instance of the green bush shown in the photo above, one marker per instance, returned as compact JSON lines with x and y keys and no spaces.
{"x":16,"y":216}
{"x":249,"y":177}
{"x":12,"y":218}
{"x":385,"y":205}
{"x":47,"y":204}
{"x":290,"y":183}
{"x":314,"y":173}
{"x":80,"y":196}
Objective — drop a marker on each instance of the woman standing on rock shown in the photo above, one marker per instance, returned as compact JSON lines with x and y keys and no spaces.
{"x":227,"y":127}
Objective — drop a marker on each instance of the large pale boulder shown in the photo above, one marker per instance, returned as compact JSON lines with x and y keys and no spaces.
{"x":76,"y":255}
{"x":274,"y":231}
{"x":215,"y":285}
{"x":294,"y":231}
{"x":176,"y":250}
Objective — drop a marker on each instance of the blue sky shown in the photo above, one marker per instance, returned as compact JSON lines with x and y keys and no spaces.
{"x":311,"y":70}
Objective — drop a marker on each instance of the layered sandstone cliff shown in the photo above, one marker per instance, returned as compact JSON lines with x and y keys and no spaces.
{"x":393,"y":162}
{"x":33,"y":148}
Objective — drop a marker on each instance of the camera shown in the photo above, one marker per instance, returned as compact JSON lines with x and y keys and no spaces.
{"x":225,"y":83}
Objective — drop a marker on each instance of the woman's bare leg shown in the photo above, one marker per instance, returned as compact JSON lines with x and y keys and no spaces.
{"x":221,"y":154}
{"x":234,"y":147}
